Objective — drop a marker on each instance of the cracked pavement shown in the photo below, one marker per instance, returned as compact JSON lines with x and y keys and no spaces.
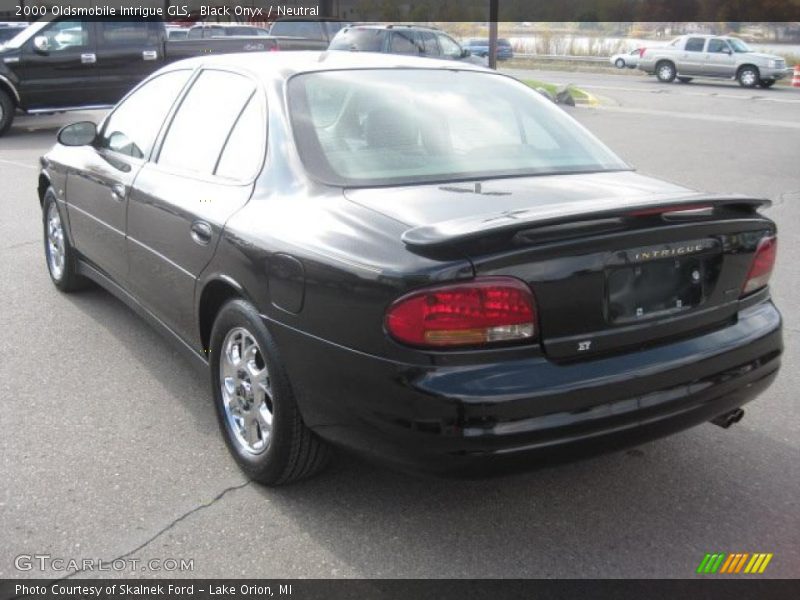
{"x":110,"y":448}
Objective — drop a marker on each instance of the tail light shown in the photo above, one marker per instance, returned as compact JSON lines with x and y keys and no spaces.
{"x":641,"y":52}
{"x":482,"y":311}
{"x":763,"y":263}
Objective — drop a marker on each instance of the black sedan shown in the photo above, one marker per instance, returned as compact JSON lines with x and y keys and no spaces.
{"x":425,"y":262}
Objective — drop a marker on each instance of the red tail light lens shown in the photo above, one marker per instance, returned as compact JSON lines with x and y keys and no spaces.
{"x":482,"y":311}
{"x":763,"y":263}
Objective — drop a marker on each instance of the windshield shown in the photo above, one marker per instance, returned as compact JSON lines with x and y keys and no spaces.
{"x":385,"y":127}
{"x":24,"y":34}
{"x":738,"y":45}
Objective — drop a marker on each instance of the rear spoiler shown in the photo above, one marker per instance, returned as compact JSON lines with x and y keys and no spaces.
{"x":456,"y":231}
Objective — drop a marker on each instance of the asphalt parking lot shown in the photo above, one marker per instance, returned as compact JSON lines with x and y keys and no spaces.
{"x":110,"y":448}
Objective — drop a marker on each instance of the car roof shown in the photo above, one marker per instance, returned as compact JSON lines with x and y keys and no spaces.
{"x":270,"y":66}
{"x":398,"y":26}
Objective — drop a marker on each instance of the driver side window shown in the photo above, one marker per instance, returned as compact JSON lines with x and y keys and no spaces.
{"x":133,"y":126}
{"x":66,"y":35}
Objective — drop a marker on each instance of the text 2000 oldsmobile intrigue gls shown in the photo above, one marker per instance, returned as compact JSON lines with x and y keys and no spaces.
{"x":424,"y":262}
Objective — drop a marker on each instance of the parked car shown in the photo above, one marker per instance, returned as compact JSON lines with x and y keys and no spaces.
{"x":413,"y":40}
{"x":77,"y":64}
{"x":725,"y":57}
{"x":316,"y":33}
{"x":434,"y":266}
{"x":626,"y":59}
{"x":480,"y":47}
{"x":204,"y":31}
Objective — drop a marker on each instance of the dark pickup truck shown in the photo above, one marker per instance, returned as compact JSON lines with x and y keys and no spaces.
{"x":61,"y":65}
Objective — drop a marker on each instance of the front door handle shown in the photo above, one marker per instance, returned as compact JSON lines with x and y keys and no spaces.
{"x":149,"y":54}
{"x":88,"y":58}
{"x":201,"y":232}
{"x":118,"y":192}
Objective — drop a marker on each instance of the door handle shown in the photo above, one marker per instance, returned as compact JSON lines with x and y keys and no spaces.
{"x":149,"y":55}
{"x":118,"y":192}
{"x":88,"y":58}
{"x":201,"y":232}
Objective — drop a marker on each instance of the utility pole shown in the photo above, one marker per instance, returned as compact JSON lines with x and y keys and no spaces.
{"x":494,"y":11}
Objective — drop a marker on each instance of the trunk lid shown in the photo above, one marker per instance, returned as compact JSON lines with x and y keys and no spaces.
{"x":616,"y":261}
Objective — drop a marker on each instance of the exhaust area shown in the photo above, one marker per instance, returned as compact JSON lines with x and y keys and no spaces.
{"x":729,"y":418}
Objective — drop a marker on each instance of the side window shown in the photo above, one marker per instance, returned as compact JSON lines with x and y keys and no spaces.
{"x":695,"y":44}
{"x":126,"y":33}
{"x":195,"y":33}
{"x":449,"y":47}
{"x":403,"y":43}
{"x":203,"y":121}
{"x":66,"y":35}
{"x":718,"y":46}
{"x":132,"y":128}
{"x":244,"y":150}
{"x":427,"y":41}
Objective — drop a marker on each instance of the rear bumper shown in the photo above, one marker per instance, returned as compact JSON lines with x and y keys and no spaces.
{"x":491,"y":417}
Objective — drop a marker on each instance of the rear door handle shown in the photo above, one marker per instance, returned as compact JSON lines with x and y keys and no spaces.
{"x":201,"y":232}
{"x":88,"y":58}
{"x":149,"y":54}
{"x":118,"y":192}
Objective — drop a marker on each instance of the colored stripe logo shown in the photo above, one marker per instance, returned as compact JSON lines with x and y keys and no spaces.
{"x":738,"y":562}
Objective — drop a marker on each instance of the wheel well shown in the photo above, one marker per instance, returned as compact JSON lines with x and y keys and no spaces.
{"x":665,"y":60}
{"x":10,"y":92}
{"x":44,"y":183}
{"x":214,"y":295}
{"x":741,"y":67}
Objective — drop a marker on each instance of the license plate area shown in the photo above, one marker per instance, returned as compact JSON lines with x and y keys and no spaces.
{"x":656,"y":288}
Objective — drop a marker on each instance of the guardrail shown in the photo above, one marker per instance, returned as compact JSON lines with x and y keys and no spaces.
{"x":565,"y":58}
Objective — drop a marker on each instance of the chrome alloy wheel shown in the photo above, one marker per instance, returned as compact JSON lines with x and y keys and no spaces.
{"x":55,"y":242}
{"x":665,"y":72}
{"x":748,"y":78}
{"x":246,"y":391}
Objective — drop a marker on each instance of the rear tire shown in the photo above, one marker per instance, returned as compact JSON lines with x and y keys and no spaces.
{"x":60,"y":256}
{"x":665,"y":71}
{"x":7,"y":109}
{"x":256,"y":408}
{"x":748,"y":77}
{"x":766,"y":83}
{"x":684,"y":79}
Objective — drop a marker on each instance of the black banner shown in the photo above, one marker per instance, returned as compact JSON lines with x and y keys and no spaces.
{"x":398,"y":589}
{"x":416,"y":10}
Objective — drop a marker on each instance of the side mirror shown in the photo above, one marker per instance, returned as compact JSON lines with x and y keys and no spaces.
{"x":78,"y":134}
{"x":465,"y":53}
{"x":41,"y":43}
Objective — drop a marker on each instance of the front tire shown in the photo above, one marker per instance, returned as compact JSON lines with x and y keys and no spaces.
{"x":766,"y":83}
{"x":619,"y":63}
{"x":748,"y":77}
{"x":256,"y":408}
{"x":665,"y":72}
{"x":59,"y":254}
{"x":7,"y":109}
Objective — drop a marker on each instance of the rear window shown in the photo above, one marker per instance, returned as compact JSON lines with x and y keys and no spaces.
{"x":373,"y":127}
{"x":363,"y":40}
